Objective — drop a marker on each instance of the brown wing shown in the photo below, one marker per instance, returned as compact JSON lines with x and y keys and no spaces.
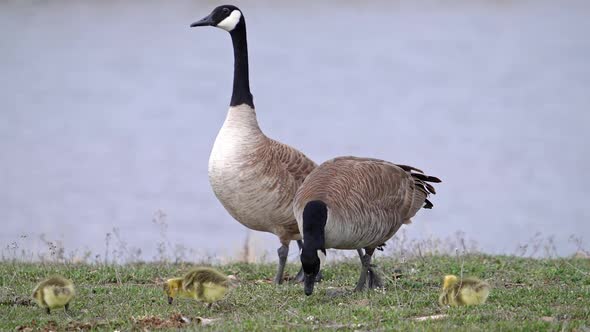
{"x":296,"y":163}
{"x":368,"y":188}
{"x":384,"y":189}
{"x":280,"y":170}
{"x":422,"y":187}
{"x":369,"y":199}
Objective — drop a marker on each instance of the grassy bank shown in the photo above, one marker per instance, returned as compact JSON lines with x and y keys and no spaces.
{"x":527,"y":294}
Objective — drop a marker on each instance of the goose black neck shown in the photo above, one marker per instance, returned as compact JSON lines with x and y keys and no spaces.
{"x":241,"y":90}
{"x":315,"y":215}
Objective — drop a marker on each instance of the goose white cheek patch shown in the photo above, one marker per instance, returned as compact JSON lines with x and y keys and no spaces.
{"x":230,"y":22}
{"x":322,"y":258}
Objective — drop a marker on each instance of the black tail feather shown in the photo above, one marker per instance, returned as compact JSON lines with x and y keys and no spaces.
{"x":421,"y":182}
{"x":409,"y":168}
{"x":430,"y":188}
{"x":427,"y":178}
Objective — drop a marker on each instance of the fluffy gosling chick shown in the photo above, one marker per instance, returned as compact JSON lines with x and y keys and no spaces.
{"x":204,"y":284}
{"x":55,"y":292}
{"x":468,"y":291}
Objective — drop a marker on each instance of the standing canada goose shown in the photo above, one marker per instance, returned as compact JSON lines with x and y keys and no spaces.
{"x":356,"y":203}
{"x":253,"y":176}
{"x":55,"y":292}
{"x":467,"y":291}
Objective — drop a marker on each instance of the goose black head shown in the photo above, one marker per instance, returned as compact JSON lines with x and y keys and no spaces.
{"x":311,"y":263}
{"x":225,"y":17}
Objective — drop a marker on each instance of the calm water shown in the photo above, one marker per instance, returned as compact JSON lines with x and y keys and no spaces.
{"x":108,"y":112}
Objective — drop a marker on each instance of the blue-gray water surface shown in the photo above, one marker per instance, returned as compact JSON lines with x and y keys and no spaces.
{"x":109,"y":109}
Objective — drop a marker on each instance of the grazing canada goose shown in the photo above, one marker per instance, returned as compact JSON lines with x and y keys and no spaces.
{"x":253,"y":176}
{"x":467,"y":291}
{"x":356,"y":203}
{"x":55,"y":292}
{"x":204,"y":284}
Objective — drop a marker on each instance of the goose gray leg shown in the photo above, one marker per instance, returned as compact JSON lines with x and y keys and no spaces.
{"x":367,"y":270}
{"x":365,"y":261}
{"x":374,"y":278}
{"x":300,"y":275}
{"x":283,"y":252}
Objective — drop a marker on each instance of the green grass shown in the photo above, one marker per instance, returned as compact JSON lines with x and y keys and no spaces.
{"x":527,"y":295}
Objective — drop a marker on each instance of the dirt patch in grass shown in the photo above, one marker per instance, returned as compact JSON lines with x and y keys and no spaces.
{"x":33,"y":326}
{"x":153,"y":322}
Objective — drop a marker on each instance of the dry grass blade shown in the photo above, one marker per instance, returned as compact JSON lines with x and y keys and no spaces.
{"x":205,"y":321}
{"x":432,"y":317}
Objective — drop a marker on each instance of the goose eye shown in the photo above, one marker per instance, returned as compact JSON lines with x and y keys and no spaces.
{"x":226,"y":10}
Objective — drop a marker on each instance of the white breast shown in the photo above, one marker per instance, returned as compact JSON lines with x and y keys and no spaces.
{"x":237,"y":175}
{"x":239,"y":135}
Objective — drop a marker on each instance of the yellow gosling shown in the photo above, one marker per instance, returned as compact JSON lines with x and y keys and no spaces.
{"x":467,"y":291}
{"x":55,"y":292}
{"x":203,"y":284}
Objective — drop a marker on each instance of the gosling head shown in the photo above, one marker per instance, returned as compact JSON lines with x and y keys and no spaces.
{"x":172,"y":287}
{"x":450,"y":281}
{"x":226,"y":17}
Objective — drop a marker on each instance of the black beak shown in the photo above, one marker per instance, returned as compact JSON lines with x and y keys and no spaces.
{"x":170,"y":300}
{"x":308,"y":283}
{"x":204,"y":22}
